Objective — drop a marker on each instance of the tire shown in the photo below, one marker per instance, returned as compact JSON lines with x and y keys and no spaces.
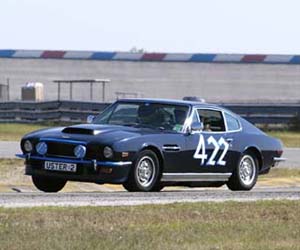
{"x":145,"y":174}
{"x":48,"y":184}
{"x":245,"y":175}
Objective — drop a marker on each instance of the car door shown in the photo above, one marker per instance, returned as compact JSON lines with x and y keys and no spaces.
{"x":209,"y":150}
{"x":234,"y":138}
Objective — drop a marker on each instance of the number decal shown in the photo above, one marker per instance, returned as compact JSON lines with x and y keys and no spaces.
{"x":226,"y":147}
{"x":201,"y":147}
{"x":211,"y":160}
{"x":200,"y":152}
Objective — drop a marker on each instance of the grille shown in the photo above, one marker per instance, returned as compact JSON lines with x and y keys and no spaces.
{"x":67,"y":150}
{"x":60,"y":149}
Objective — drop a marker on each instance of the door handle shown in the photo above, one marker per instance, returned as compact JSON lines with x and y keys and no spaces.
{"x":229,"y":140}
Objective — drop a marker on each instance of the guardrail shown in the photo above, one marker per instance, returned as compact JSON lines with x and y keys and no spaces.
{"x":268,"y":114}
{"x":77,"y":111}
{"x":72,"y":111}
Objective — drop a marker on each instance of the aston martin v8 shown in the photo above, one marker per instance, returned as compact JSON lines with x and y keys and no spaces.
{"x":147,"y":144}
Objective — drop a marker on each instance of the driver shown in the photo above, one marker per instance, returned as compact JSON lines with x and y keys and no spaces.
{"x":206,"y":124}
{"x":149,"y":115}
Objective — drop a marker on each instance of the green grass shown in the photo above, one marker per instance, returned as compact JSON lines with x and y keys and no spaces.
{"x":289,"y":138}
{"x":15,"y":131}
{"x":231,"y":225}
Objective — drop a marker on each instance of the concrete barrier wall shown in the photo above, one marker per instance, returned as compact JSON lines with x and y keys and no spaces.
{"x":216,"y":82}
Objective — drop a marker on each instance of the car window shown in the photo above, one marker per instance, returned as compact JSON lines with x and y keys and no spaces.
{"x":195,"y":117}
{"x":232,"y":122}
{"x":154,"y":115}
{"x":124,"y":114}
{"x":212,"y":120}
{"x":104,"y":115}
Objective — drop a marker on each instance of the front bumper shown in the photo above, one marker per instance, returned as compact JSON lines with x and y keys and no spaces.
{"x":87,"y":170}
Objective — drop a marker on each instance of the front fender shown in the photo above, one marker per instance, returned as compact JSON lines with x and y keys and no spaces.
{"x":135,"y":145}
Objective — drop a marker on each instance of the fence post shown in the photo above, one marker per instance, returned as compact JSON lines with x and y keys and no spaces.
{"x":7,"y":89}
{"x":58,"y":91}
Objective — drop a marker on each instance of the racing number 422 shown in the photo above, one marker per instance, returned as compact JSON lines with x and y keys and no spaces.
{"x":201,"y":154}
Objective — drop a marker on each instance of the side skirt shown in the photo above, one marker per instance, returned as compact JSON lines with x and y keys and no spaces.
{"x":186,"y":177}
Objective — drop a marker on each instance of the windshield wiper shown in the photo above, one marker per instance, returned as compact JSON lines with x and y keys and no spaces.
{"x":141,"y":125}
{"x":150,"y":126}
{"x":129,"y":124}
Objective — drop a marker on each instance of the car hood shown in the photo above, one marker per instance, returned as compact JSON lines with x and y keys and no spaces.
{"x":105,"y":134}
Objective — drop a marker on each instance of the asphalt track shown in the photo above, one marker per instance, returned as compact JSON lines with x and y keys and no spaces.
{"x":130,"y":199}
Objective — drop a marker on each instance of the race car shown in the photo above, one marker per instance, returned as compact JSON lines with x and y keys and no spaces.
{"x":147,"y":144}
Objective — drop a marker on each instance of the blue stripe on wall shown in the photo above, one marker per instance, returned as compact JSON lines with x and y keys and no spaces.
{"x":295,"y":60}
{"x":103,"y":55}
{"x":7,"y":53}
{"x":199,"y":57}
{"x":202,"y":57}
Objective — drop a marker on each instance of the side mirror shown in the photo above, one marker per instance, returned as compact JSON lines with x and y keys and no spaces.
{"x":90,"y":119}
{"x":195,"y":127}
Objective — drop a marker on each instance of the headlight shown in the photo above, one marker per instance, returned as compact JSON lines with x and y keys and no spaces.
{"x":28,"y":146}
{"x":41,"y":148}
{"x":108,"y":152}
{"x":80,"y":151}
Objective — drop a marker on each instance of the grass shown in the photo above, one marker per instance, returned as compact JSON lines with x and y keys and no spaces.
{"x":280,"y":177}
{"x":15,"y":131}
{"x":289,"y":138}
{"x":283,"y":173}
{"x":11,"y":171}
{"x":231,"y":225}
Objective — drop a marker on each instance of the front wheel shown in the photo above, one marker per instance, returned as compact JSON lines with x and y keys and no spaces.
{"x":48,"y":184}
{"x":145,"y":173}
{"x":245,"y":175}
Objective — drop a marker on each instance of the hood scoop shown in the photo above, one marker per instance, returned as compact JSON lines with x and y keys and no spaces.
{"x":81,"y":131}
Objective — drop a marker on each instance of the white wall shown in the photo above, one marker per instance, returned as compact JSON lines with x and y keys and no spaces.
{"x":212,"y":81}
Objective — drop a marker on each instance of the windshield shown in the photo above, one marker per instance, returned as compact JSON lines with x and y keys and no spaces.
{"x":145,"y":114}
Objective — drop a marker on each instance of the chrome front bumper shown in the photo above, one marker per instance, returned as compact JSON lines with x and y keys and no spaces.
{"x":101,"y":172}
{"x":95,"y":163}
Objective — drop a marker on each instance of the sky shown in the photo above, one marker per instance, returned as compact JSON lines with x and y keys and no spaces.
{"x":191,"y":26}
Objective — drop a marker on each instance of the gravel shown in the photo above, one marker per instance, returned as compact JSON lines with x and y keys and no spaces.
{"x":130,"y":199}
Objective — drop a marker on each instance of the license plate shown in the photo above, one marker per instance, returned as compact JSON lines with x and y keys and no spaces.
{"x":60,"y":166}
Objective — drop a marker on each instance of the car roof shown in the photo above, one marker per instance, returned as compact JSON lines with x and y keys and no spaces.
{"x":172,"y":101}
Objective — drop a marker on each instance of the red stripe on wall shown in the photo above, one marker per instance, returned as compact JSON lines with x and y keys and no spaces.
{"x":53,"y":54}
{"x":253,"y":58}
{"x":153,"y":56}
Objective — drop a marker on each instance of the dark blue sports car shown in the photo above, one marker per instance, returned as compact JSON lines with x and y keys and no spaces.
{"x":146,"y":145}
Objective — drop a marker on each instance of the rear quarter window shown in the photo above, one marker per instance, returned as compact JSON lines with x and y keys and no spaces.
{"x":232,"y":122}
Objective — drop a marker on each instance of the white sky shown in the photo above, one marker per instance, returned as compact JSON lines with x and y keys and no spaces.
{"x":216,"y":26}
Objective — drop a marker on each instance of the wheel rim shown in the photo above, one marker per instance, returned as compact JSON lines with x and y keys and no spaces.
{"x":247,"y":170}
{"x":145,"y":171}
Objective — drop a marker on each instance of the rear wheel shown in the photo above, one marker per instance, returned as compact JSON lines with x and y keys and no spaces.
{"x":48,"y":184}
{"x":245,"y":175}
{"x":144,"y":175}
